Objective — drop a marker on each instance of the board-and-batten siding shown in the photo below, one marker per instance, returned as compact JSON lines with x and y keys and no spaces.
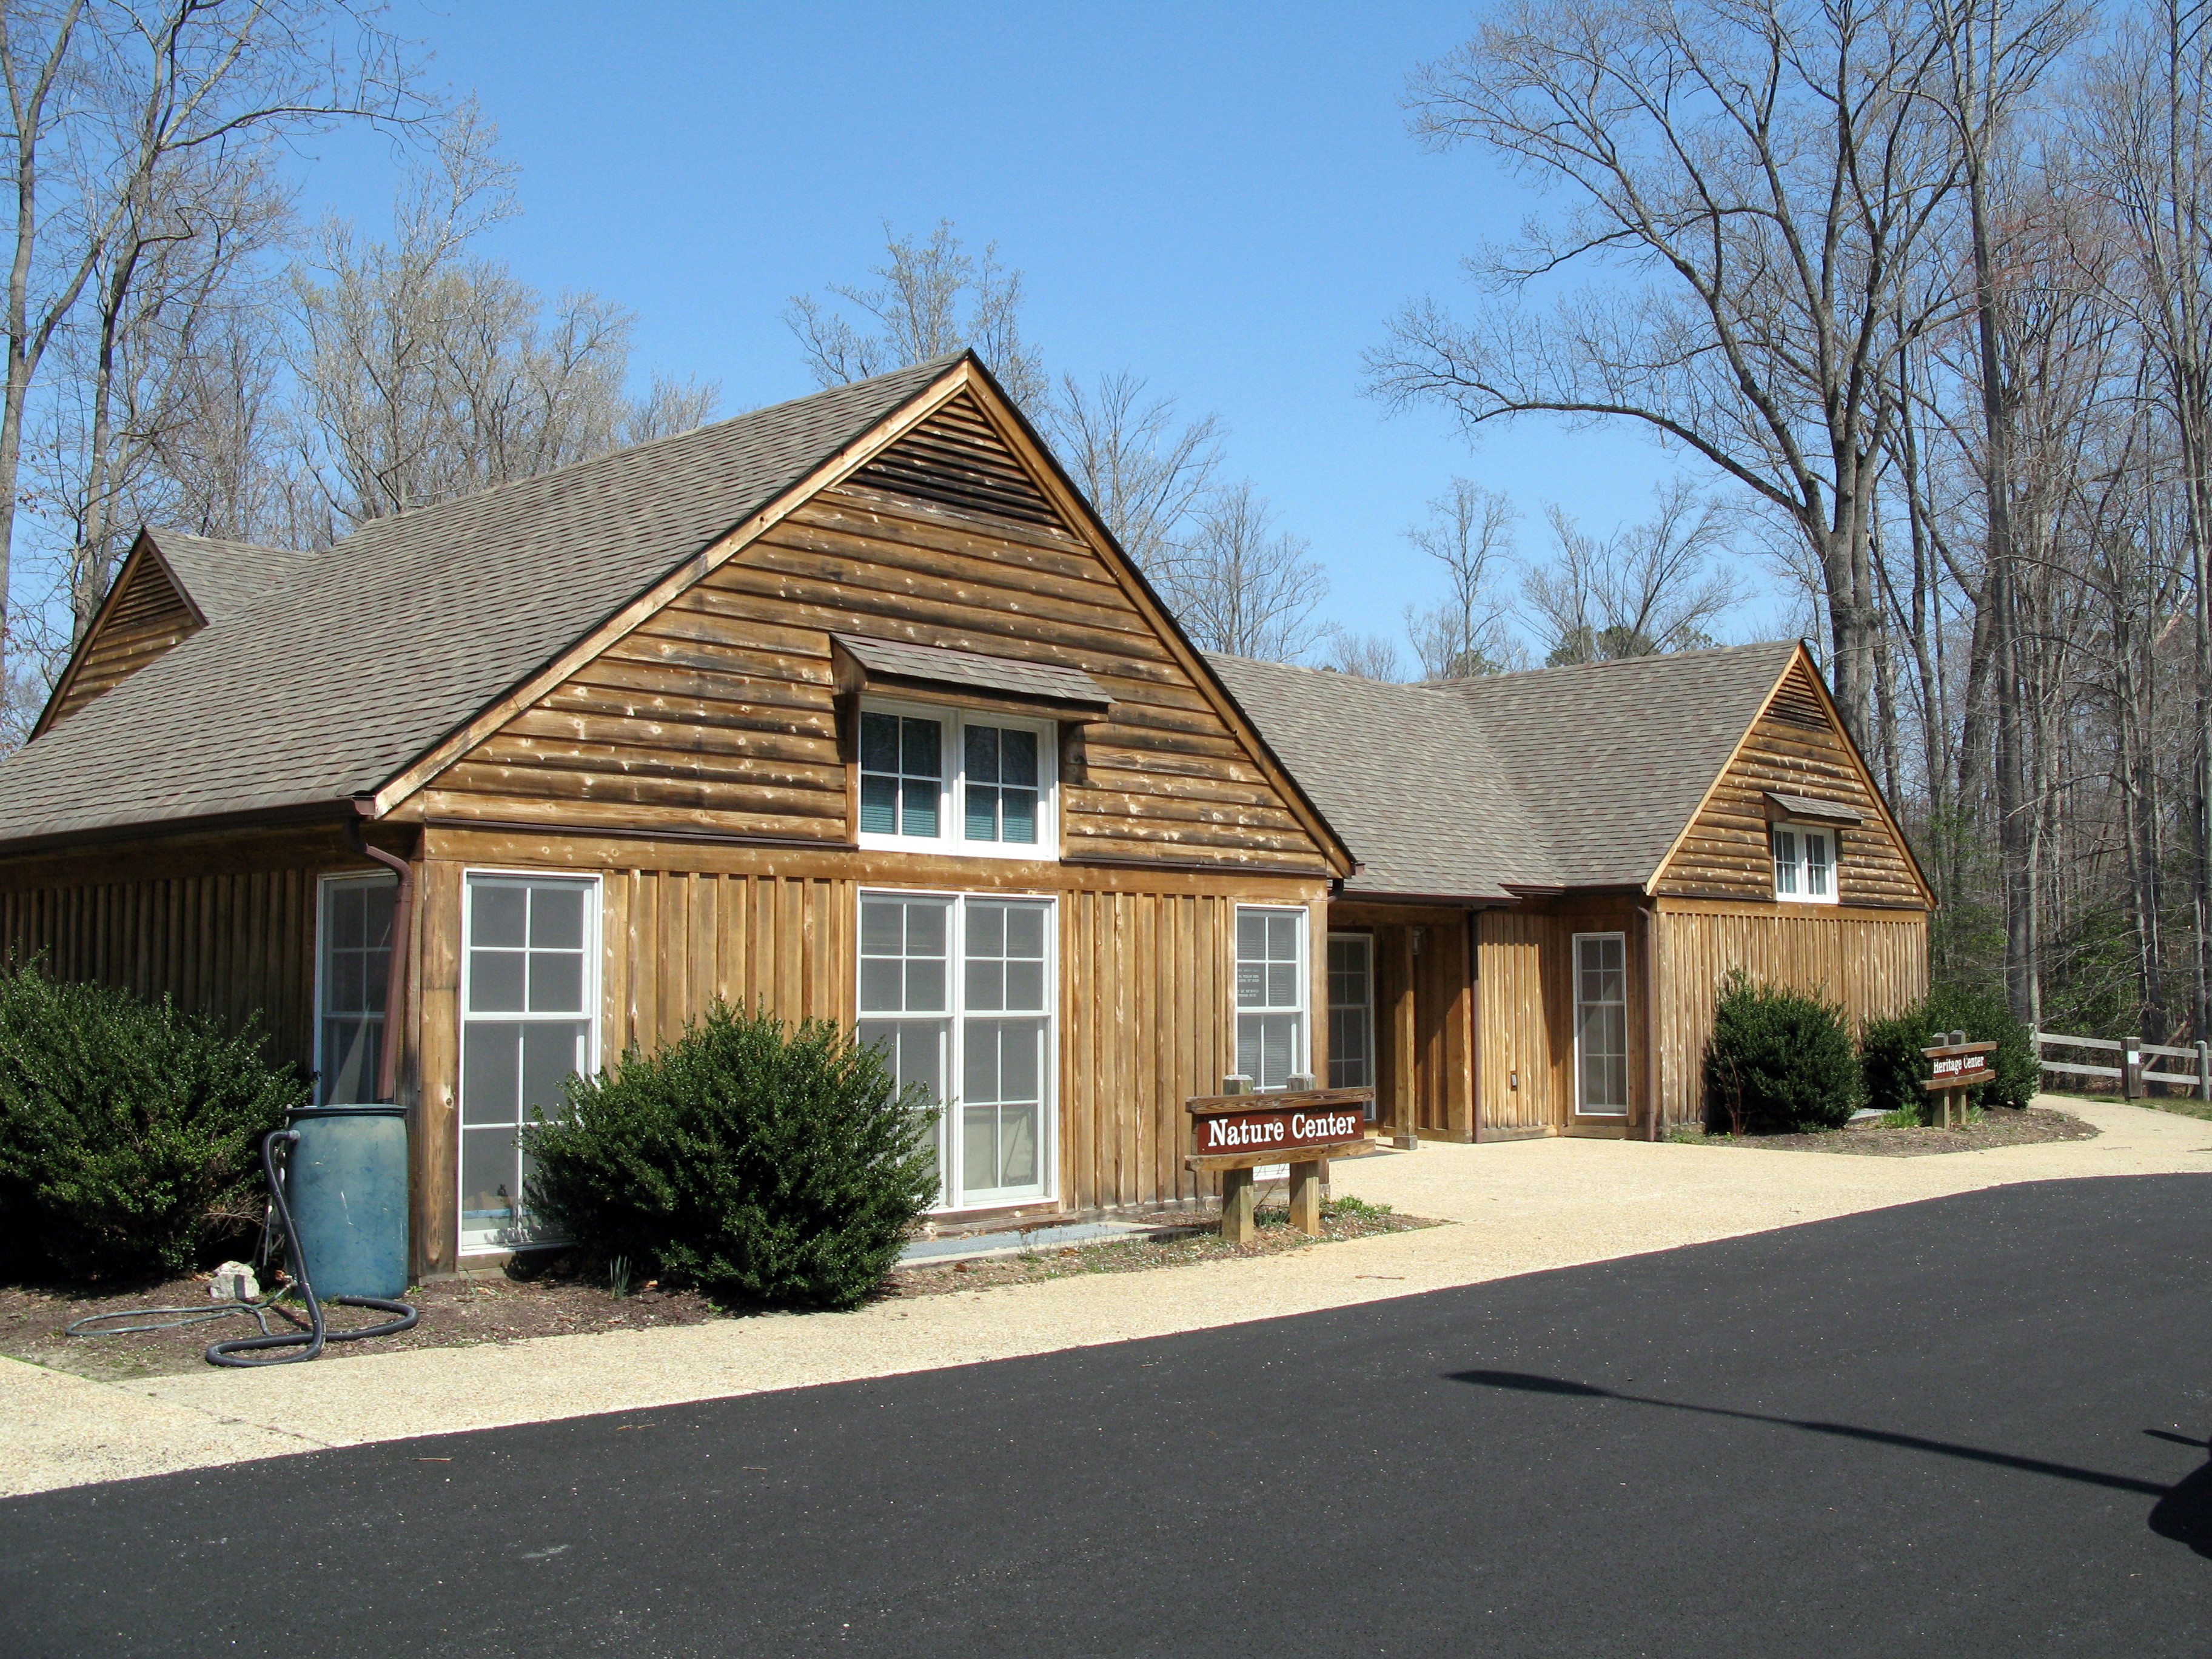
{"x":719,"y":712}
{"x":1793,"y":749}
{"x":1871,"y":965}
{"x":240,"y":946}
{"x":143,"y":617}
{"x":1526,"y":986}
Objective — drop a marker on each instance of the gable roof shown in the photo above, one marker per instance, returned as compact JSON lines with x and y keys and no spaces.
{"x":320,"y":675}
{"x":1582,"y":776}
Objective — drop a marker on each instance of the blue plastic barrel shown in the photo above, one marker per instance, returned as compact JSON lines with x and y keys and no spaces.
{"x":347,"y":1185}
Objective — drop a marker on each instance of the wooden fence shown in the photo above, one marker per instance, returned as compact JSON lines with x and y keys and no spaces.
{"x":2131,"y":1071}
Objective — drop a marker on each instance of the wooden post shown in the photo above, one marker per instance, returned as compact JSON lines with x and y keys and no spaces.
{"x":1239,"y":1222}
{"x":1305,"y":1194}
{"x":1407,"y":1136}
{"x":2204,"y":1070}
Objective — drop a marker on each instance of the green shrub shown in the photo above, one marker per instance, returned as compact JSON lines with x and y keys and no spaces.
{"x":1891,"y":1065}
{"x":129,"y":1132}
{"x":1779,"y":1060}
{"x":757,"y":1163}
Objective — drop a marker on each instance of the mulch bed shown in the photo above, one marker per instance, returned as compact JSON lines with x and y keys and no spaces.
{"x":1133,"y":1255}
{"x":557,"y":1301}
{"x":1999,"y":1125}
{"x":456,"y":1313}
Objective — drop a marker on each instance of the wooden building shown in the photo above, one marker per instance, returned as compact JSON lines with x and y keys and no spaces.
{"x":1560,"y":869}
{"x":852,"y":707}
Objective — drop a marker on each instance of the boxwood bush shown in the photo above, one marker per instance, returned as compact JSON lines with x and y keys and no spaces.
{"x":758,"y":1162}
{"x":129,"y":1132}
{"x":1779,"y":1061}
{"x":1892,"y":1065}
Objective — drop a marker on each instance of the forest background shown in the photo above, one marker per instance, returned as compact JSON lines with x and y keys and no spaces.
{"x":1914,"y":300}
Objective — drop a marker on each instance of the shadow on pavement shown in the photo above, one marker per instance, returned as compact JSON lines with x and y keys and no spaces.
{"x":2183,"y":1512}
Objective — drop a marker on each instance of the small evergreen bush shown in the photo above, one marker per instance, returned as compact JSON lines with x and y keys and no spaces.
{"x":1892,"y":1066}
{"x":129,"y":1132}
{"x":756,"y":1162}
{"x":1779,"y":1060}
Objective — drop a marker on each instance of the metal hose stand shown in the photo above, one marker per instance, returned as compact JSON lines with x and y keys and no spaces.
{"x":309,"y":1342}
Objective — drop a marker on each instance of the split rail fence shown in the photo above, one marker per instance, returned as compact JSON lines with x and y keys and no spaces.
{"x":2131,"y":1071}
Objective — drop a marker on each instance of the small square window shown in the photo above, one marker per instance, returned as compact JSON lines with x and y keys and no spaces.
{"x":1804,"y":863}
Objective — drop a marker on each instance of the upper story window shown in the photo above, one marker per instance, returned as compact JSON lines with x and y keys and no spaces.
{"x":950,"y":780}
{"x":1804,"y":863}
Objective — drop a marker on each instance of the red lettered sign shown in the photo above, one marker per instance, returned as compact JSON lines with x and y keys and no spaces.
{"x":1281,"y":1130}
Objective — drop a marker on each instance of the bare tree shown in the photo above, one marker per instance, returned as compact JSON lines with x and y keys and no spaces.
{"x":1469,"y":531}
{"x":1756,"y":180}
{"x":1363,"y":656}
{"x":1241,"y":588}
{"x":105,"y":97}
{"x":1144,"y":470}
{"x":933,"y":297}
{"x":1651,"y":587}
{"x":426,"y":374}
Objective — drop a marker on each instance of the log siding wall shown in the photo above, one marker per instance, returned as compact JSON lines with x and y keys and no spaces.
{"x":142,"y":619}
{"x":1794,"y":748}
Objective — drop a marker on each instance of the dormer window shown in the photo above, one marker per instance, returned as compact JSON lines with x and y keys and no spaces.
{"x":956,"y":781}
{"x":1804,"y":863}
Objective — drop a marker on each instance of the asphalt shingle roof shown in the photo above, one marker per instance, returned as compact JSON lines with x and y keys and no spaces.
{"x":321,"y":675}
{"x":900,"y":660}
{"x":1577,"y":776}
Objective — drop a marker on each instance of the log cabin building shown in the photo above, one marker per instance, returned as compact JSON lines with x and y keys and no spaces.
{"x":852,"y":707}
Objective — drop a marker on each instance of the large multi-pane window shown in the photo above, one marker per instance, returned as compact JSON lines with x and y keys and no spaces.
{"x":1602,"y":1024}
{"x":1804,"y":864}
{"x":957,"y":993}
{"x":1271,"y":993}
{"x":528,"y":986}
{"x":945,"y":780}
{"x":1352,"y":1011}
{"x":353,"y":964}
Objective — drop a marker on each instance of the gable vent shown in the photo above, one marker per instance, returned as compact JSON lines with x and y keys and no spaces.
{"x":1796,"y":703}
{"x":957,"y":459}
{"x":146,"y":613}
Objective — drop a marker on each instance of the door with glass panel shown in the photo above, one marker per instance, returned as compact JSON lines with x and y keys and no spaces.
{"x":1271,"y":995}
{"x":1602,"y":1024}
{"x":528,"y":991}
{"x":957,"y":992}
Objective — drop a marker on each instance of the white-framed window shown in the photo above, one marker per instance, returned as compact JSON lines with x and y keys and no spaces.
{"x":1271,"y":993}
{"x":1602,"y":1024}
{"x":1352,"y":1013}
{"x":529,"y":1021}
{"x":958,"y":989}
{"x":353,"y":963}
{"x":965,"y":781}
{"x":1804,"y":863}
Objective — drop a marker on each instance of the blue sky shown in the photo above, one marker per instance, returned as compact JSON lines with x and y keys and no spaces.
{"x":1224,"y":199}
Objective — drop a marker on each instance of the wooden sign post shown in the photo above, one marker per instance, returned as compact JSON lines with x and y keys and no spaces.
{"x":1954,"y":1066}
{"x":1234,"y":1134}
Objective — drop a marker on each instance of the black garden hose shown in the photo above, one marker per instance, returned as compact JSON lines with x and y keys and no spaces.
{"x":309,"y":1342}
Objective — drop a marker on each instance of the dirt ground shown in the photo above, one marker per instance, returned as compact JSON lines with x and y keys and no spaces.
{"x":1998,"y":1126}
{"x":459,"y":1312}
{"x":455,"y":1312}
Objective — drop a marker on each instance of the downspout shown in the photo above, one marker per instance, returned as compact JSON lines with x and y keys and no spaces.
{"x":395,"y":981}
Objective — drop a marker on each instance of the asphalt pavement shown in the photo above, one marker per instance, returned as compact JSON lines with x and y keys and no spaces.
{"x":1971,"y":1426}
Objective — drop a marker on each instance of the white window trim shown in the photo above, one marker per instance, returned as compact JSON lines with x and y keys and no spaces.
{"x":1800,"y":828}
{"x":1575,"y":967}
{"x":323,"y":883}
{"x":1305,"y":1009}
{"x":594,"y":947}
{"x":951,"y":791}
{"x":956,"y":1007}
